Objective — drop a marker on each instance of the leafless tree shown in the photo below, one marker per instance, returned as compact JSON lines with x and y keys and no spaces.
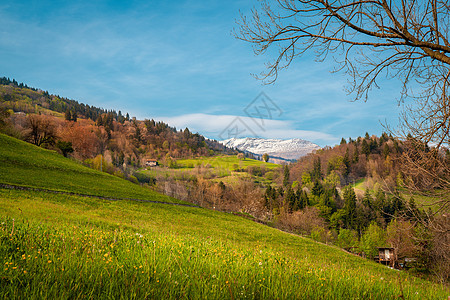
{"x":369,"y":39}
{"x":40,"y":130}
{"x":427,"y":171}
{"x":372,"y":39}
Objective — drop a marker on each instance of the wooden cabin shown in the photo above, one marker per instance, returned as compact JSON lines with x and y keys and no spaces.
{"x":386,"y":256}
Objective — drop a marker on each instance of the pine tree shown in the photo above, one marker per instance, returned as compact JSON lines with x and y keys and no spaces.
{"x":68,"y":115}
{"x":290,"y":199}
{"x":343,"y":141}
{"x":396,"y":146}
{"x":386,"y":150}
{"x":346,"y":162}
{"x":367,"y":199}
{"x":286,"y":175}
{"x":350,"y":207}
{"x":356,"y":155}
{"x":373,"y":145}
{"x":316,"y":173}
{"x":74,"y":116}
{"x":329,"y":167}
{"x":317,"y":189}
{"x":365,"y":148}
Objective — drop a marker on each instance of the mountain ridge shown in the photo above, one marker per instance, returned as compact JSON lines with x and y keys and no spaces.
{"x":283,"y":149}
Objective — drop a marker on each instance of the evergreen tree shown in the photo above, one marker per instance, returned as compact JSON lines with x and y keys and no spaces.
{"x":346,"y":162}
{"x":365,"y":148}
{"x":317,"y":189}
{"x":299,"y":204}
{"x":350,"y":207}
{"x":398,"y":204}
{"x":99,"y":121}
{"x":396,"y":146}
{"x":286,"y":175}
{"x":316,"y":173}
{"x":68,"y":115}
{"x":356,"y":154}
{"x":386,"y":150}
{"x":329,"y":167}
{"x":74,"y":116}
{"x":373,"y":145}
{"x":290,"y":199}
{"x":367,"y":199}
{"x":343,"y":141}
{"x":413,"y":212}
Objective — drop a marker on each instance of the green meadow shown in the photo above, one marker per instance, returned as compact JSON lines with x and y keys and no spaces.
{"x":226,"y":168}
{"x":225,"y":161}
{"x":57,"y":246}
{"x":26,"y":165}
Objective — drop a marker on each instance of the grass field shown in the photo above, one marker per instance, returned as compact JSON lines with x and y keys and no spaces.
{"x":27,"y":165}
{"x":226,"y":168}
{"x":55,"y":246}
{"x":225,"y":162}
{"x":72,"y":247}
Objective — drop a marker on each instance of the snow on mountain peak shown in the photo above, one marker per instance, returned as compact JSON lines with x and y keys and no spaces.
{"x":291,"y":149}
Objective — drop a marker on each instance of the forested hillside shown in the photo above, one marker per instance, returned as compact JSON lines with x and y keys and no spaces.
{"x":86,"y":131}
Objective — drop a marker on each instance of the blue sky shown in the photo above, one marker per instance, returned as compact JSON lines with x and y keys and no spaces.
{"x":177,"y":61}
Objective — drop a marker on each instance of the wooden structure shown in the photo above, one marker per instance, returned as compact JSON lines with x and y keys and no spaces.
{"x":386,"y":256}
{"x":151,"y":163}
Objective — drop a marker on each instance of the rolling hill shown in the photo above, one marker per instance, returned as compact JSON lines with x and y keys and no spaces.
{"x":61,"y":245}
{"x":25,"y":165}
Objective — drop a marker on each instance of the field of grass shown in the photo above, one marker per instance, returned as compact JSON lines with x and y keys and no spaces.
{"x":57,"y":246}
{"x":226,"y":168}
{"x":27,"y":165}
{"x":225,"y":162}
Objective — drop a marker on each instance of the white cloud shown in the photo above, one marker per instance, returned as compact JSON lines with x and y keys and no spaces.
{"x":227,"y":126}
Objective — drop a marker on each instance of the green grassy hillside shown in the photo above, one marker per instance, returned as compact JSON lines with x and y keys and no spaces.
{"x":27,"y":165}
{"x":226,"y":168}
{"x":226,"y":162}
{"x":68,"y":246}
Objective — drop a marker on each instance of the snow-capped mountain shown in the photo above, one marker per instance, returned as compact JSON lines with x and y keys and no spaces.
{"x":285,"y":149}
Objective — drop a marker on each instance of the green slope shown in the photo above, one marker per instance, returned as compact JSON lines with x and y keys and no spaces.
{"x":68,"y":246}
{"x":226,"y":162}
{"x":27,"y":165}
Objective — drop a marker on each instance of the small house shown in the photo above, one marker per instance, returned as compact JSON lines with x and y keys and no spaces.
{"x":386,"y":256}
{"x":151,"y":163}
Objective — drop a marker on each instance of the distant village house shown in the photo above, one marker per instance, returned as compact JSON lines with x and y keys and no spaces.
{"x":151,"y":163}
